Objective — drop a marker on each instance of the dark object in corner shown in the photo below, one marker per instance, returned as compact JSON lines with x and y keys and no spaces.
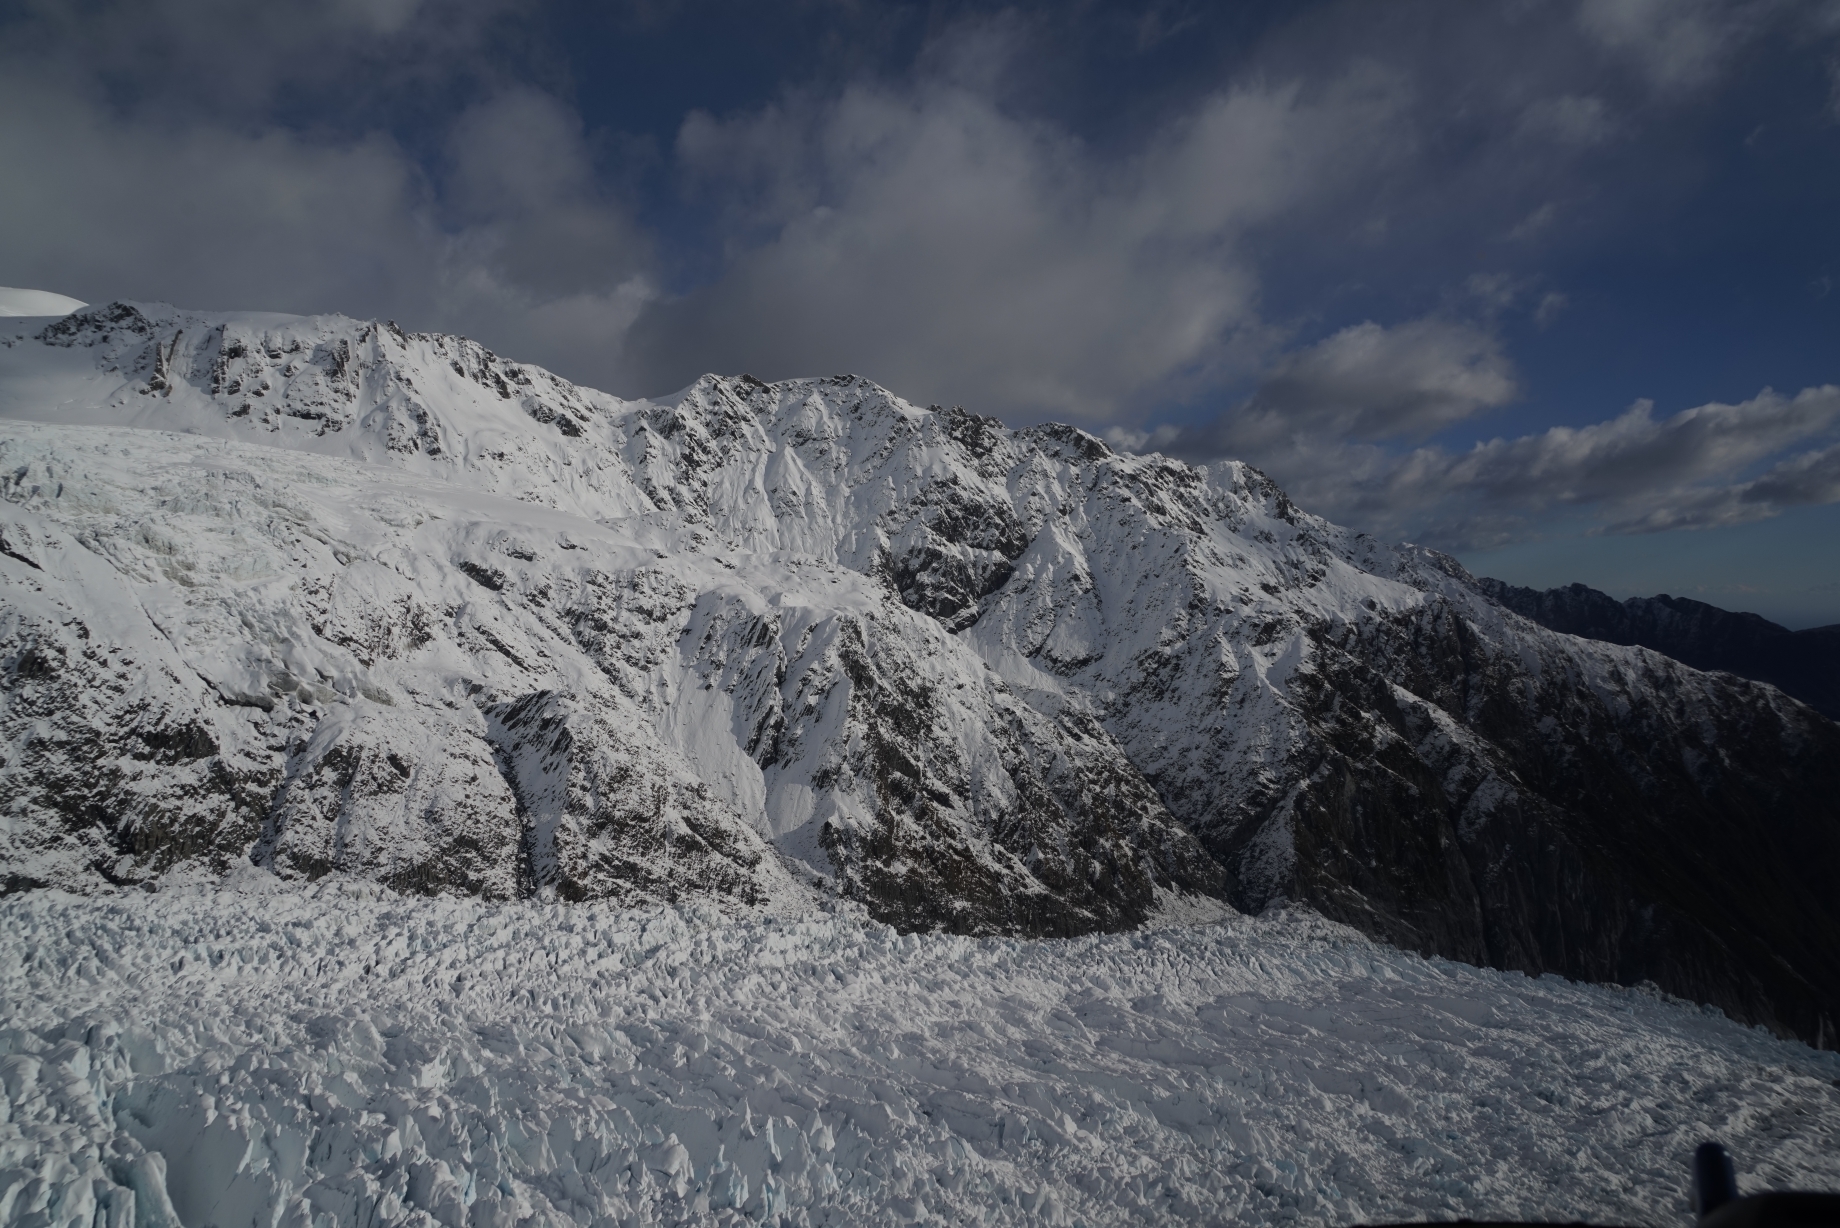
{"x":1717,"y":1203}
{"x":1715,"y":1180}
{"x":1803,"y":664}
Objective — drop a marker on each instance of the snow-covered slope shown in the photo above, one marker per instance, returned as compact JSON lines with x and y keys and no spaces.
{"x":15,"y":301}
{"x":469,"y":627}
{"x":341,"y":1056}
{"x":334,"y":597}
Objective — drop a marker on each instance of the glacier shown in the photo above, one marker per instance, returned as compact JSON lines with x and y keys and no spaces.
{"x":298,"y":1056}
{"x":325,"y":599}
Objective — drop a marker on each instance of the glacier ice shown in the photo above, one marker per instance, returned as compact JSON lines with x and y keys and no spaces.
{"x":265,"y":1055}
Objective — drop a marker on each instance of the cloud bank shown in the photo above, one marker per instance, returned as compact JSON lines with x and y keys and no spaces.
{"x":1323,"y":420}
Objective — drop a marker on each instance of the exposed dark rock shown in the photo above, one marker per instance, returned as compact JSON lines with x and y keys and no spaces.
{"x":490,"y":577}
{"x":1564,"y":834}
{"x":1082,"y":843}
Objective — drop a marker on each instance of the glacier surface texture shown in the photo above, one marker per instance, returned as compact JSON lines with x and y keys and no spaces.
{"x":341,"y":1055}
{"x":335,"y":599}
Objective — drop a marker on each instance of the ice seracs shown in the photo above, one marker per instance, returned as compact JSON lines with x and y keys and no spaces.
{"x":344,"y":599}
{"x":341,"y":1054}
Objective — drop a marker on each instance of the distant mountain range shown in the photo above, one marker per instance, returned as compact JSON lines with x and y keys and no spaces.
{"x":338,"y":599}
{"x":1805,"y":664}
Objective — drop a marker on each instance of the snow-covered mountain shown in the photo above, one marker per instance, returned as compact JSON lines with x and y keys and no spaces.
{"x":1805,"y":664}
{"x":336,"y":598}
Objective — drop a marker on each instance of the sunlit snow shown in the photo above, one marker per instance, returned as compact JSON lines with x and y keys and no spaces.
{"x":17,"y":302}
{"x":343,"y":1055}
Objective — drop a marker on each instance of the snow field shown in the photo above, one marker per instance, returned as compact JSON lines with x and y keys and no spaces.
{"x":343,"y":1056}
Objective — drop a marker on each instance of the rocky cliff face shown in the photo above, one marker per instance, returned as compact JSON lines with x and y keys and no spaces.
{"x":1805,"y":664}
{"x":335,"y":598}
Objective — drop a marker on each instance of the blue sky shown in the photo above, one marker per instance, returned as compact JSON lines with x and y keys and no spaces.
{"x":1555,"y":286}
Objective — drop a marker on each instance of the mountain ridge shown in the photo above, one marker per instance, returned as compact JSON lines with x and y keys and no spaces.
{"x":1804,"y":664}
{"x":348,"y":599}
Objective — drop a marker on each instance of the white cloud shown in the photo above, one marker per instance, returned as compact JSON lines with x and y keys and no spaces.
{"x":1495,"y":291}
{"x":1536,"y":222}
{"x":942,"y":231}
{"x":1369,"y":383}
{"x":539,"y":259}
{"x":1633,"y":473}
{"x":1552,"y":305}
{"x":226,"y":62}
{"x":208,"y":216}
{"x":520,"y":250}
{"x":1327,"y":422}
{"x":1635,"y":457}
{"x":1678,"y":44}
{"x":1809,"y":478}
{"x":930,"y":239}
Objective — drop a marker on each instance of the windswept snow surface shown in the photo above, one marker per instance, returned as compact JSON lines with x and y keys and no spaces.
{"x":343,"y":1055}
